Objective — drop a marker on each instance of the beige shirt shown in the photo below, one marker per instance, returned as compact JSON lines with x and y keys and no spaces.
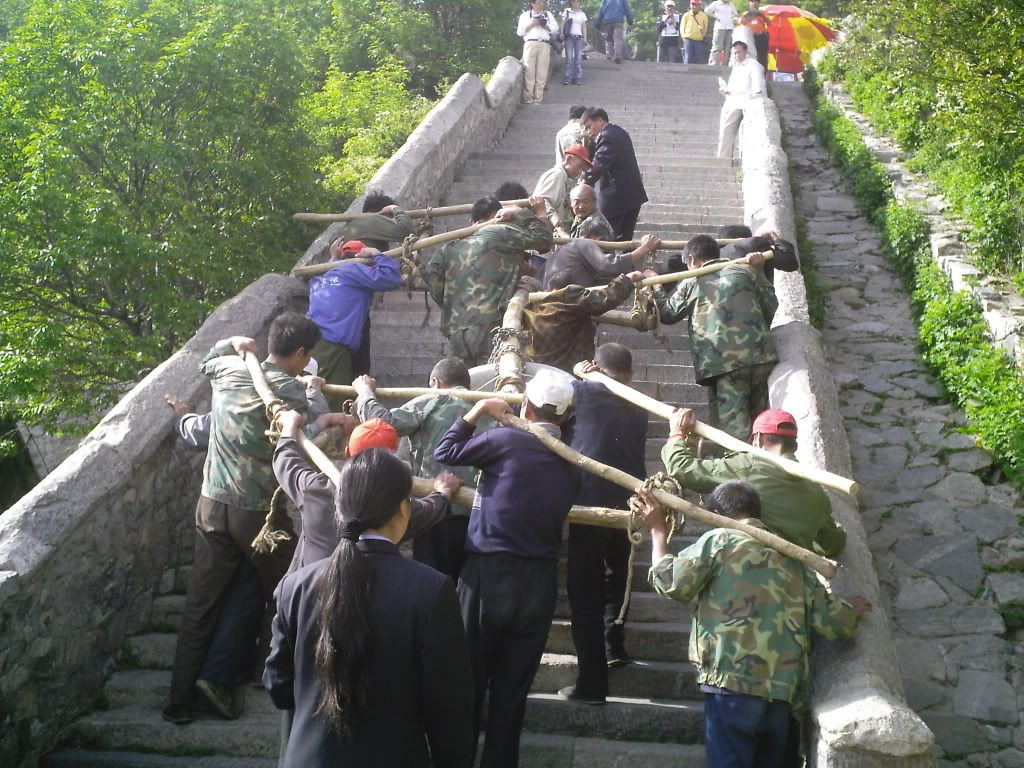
{"x":554,"y":186}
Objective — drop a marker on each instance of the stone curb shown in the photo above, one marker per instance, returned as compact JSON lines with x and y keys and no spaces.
{"x":860,"y":717}
{"x":1001,"y":306}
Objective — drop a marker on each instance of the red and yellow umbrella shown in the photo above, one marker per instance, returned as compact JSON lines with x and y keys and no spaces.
{"x":792,"y":34}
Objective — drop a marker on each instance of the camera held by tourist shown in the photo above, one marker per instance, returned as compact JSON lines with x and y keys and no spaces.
{"x":669,"y":24}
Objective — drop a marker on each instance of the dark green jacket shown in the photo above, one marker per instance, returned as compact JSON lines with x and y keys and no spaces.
{"x":794,"y":508}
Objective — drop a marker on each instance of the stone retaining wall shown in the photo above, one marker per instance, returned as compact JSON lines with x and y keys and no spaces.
{"x":82,"y":554}
{"x":1001,"y":306}
{"x":859,"y":716}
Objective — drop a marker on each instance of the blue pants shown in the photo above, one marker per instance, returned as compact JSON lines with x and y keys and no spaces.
{"x":694,"y":52}
{"x":573,"y":52}
{"x":743,"y":731}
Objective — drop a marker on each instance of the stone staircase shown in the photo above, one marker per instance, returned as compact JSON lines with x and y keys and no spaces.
{"x":654,"y":714}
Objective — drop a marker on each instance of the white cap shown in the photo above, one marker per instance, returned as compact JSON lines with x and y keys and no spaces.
{"x":547,"y":388}
{"x":312,"y":367}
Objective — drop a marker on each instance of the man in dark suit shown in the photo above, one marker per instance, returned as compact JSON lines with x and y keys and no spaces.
{"x":615,"y":173}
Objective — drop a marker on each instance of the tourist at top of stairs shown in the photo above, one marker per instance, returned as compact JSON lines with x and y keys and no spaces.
{"x":614,"y":173}
{"x":751,"y":637}
{"x":612,"y":17}
{"x":746,"y":83}
{"x":724,"y":14}
{"x":574,"y":37}
{"x":368,"y":647}
{"x":694,"y":31}
{"x":668,"y":34}
{"x":537,"y":27}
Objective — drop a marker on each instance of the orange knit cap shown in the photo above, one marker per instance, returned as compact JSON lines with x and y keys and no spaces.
{"x":372,"y":434}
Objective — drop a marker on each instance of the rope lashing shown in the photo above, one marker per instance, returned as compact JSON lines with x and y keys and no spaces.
{"x":277,"y":528}
{"x":425,"y":226}
{"x":658,"y":481}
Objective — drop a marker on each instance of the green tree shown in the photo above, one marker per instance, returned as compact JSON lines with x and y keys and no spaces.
{"x":150,"y":156}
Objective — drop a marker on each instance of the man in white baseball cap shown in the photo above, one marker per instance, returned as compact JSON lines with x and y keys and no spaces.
{"x":509,"y":582}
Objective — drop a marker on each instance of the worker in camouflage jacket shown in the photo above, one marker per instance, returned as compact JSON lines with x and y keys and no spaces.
{"x":729,"y":314}
{"x":562,"y":326}
{"x":751,"y":632}
{"x":424,"y":420}
{"x":473,"y":279}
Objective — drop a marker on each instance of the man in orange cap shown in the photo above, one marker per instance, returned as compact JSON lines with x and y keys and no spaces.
{"x":794,"y":508}
{"x":339,"y":303}
{"x":555,"y":184}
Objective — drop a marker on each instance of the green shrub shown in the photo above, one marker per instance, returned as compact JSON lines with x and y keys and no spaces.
{"x":979,"y":378}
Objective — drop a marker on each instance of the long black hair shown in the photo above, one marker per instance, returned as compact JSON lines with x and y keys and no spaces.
{"x":372,"y":487}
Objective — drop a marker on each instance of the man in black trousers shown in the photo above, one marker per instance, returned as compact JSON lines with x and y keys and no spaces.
{"x":509,"y":583}
{"x":614,"y":432}
{"x":614,"y":173}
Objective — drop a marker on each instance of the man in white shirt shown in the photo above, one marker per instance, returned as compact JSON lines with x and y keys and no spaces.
{"x":724,"y":14}
{"x":555,"y":184}
{"x":536,"y":27}
{"x":746,"y":83}
{"x":569,"y":134}
{"x":668,"y":34}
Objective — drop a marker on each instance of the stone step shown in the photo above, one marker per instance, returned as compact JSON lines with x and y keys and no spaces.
{"x":258,"y":738}
{"x":628,"y":719}
{"x":664,"y":159}
{"x":661,"y":641}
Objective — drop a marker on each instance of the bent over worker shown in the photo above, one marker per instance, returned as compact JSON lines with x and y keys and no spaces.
{"x":729,"y":315}
{"x":750,"y":641}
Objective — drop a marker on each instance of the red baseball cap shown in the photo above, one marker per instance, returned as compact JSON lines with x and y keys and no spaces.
{"x":352,"y":247}
{"x":372,"y":434}
{"x":775,"y":422}
{"x":578,"y":150}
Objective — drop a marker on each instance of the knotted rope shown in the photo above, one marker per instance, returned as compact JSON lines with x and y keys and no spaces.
{"x":500,"y":345}
{"x":658,"y":481}
{"x":277,"y":528}
{"x":645,"y":314}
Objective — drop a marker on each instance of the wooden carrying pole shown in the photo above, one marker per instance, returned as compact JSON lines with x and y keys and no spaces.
{"x":632,"y":245}
{"x":415,"y":213}
{"x":607,"y":518}
{"x":600,"y":516}
{"x":512,"y":358}
{"x":724,"y":439}
{"x":419,"y":245}
{"x":822,"y":565}
{"x":671,"y":277}
{"x":407,"y":393}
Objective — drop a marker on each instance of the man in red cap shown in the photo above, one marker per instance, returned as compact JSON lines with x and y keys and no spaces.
{"x":556,"y":183}
{"x":794,"y":508}
{"x":339,"y":303}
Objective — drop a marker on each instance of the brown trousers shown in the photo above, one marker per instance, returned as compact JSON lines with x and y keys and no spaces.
{"x":224,"y":537}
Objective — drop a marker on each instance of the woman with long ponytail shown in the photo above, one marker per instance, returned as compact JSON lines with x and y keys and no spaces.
{"x":368,"y":646}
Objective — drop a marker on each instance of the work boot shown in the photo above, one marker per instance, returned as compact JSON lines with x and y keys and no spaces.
{"x":221,"y":698}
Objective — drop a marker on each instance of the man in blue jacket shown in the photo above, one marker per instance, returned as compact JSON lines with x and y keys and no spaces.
{"x":509,"y":583}
{"x":612,"y":16}
{"x":339,"y":303}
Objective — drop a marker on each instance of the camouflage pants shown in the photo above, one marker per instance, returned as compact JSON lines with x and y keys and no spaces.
{"x":473,"y":345}
{"x":736,"y":398}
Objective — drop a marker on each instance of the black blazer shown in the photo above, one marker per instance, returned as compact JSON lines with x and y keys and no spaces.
{"x":615,"y":173}
{"x":421,"y":688}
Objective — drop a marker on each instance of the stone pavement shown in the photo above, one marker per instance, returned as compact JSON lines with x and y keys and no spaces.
{"x":948,"y":543}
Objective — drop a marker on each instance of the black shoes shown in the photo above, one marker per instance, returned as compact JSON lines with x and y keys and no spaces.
{"x":177,"y":715}
{"x":616,"y":660}
{"x":569,"y":694}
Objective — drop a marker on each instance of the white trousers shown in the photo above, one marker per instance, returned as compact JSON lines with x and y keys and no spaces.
{"x":537,"y":60}
{"x":728,"y":127}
